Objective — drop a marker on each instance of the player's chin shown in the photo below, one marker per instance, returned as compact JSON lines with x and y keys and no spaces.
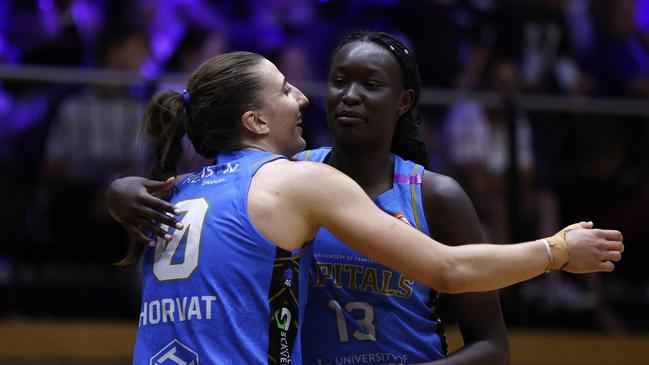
{"x":301,"y":143}
{"x":297,"y":147}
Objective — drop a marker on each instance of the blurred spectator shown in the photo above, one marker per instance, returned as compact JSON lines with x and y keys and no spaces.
{"x":437,"y":29}
{"x":171,"y":20}
{"x":619,"y":60}
{"x":196,"y":46}
{"x":296,"y":61}
{"x":93,"y":135}
{"x":535,"y":37}
{"x":477,"y":154}
{"x":92,"y":139}
{"x":29,"y":34}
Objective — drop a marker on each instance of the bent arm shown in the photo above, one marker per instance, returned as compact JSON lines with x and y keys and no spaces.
{"x":333,"y":200}
{"x":136,"y":203}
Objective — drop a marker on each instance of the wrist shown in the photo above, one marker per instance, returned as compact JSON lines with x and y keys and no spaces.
{"x":557,"y":251}
{"x":548,"y":249}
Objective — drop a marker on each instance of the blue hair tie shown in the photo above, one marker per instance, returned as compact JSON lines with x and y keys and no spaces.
{"x":185,"y":97}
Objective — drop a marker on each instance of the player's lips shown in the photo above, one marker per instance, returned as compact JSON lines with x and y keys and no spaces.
{"x":350,"y":117}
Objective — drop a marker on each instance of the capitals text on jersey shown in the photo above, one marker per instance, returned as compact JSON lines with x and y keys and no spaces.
{"x":361,"y":277}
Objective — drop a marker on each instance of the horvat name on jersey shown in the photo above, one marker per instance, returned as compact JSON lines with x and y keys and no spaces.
{"x":166,"y":310}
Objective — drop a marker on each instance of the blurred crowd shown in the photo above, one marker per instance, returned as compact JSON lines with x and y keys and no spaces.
{"x":527,"y":172}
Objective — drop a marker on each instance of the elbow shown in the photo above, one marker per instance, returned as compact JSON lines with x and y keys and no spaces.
{"x":501,"y":355}
{"x":454,"y":286}
{"x":450,"y":280}
{"x":499,"y":344}
{"x":498,"y":357}
{"x":505,"y":357}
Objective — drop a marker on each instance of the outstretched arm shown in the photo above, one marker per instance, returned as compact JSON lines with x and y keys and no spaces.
{"x":315,"y":195}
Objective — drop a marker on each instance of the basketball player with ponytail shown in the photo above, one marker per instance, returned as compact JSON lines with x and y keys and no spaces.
{"x":227,"y":282}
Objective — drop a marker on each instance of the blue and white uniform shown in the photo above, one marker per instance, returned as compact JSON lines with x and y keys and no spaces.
{"x":360,"y":312}
{"x":219,"y":292}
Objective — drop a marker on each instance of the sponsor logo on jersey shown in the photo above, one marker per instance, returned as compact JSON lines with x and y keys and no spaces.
{"x":211,"y":172}
{"x":175,"y":353}
{"x":284,"y":308}
{"x":283,"y":318}
{"x":401,"y":217}
{"x":288,"y":277}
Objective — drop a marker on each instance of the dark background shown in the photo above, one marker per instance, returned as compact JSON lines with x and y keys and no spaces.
{"x":582,"y":152}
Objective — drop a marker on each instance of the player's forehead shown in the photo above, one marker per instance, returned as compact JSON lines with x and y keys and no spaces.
{"x":271,"y":79}
{"x":367,"y":57}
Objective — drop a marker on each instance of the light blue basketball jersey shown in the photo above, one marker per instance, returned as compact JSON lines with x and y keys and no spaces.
{"x":219,"y":292}
{"x":361,"y":312}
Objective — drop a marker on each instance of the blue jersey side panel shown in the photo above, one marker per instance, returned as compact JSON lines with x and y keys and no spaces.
{"x":361,"y":312}
{"x":219,"y":292}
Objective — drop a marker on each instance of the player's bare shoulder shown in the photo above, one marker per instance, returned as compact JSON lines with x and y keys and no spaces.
{"x":301,"y":181}
{"x":449,"y":212}
{"x":441,"y":190}
{"x":293,"y":173}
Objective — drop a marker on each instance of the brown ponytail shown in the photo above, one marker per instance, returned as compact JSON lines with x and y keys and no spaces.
{"x":209,"y":112}
{"x":164,"y":123}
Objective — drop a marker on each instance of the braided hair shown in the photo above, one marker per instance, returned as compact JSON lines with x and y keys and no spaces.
{"x":407,"y":141}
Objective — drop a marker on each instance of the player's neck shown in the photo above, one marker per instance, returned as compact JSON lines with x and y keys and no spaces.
{"x":373,"y":170}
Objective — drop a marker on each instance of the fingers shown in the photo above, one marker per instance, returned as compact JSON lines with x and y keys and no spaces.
{"x":163,"y":206}
{"x":584,"y":225}
{"x":145,"y":198}
{"x":595,"y":250}
{"x":605,"y":266}
{"x":154,"y":186}
{"x":612,"y":256}
{"x":153,"y":183}
{"x":153,"y":228}
{"x":160,"y":217}
{"x":614,"y":246}
{"x":139,"y":236}
{"x":609,"y":234}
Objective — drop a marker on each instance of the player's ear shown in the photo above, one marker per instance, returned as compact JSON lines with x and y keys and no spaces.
{"x":253,"y":121}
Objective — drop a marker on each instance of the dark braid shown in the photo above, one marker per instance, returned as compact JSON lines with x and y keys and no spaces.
{"x":406,"y":141}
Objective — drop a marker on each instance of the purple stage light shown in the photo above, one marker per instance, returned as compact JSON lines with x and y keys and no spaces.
{"x":46,"y":5}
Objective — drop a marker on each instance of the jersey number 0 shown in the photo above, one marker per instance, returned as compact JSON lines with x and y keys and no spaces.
{"x":169,"y":262}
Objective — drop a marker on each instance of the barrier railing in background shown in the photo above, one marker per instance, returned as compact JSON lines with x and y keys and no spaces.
{"x":429,"y":96}
{"x":74,"y":341}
